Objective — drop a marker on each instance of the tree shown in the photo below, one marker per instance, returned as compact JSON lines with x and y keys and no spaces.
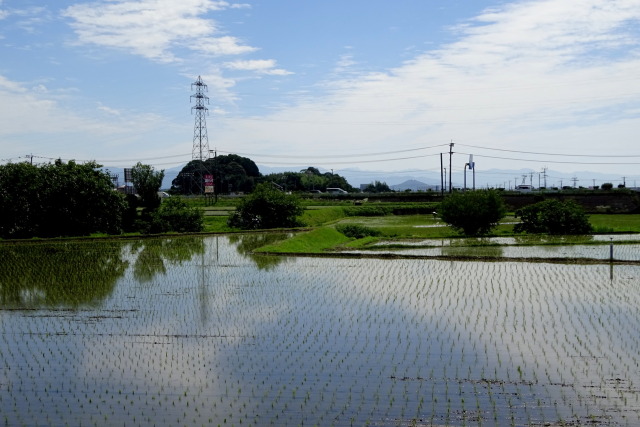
{"x":377,"y":187}
{"x":175,"y":215}
{"x":147,"y":183}
{"x":607,"y":186}
{"x":336,"y":181}
{"x":231,"y":173}
{"x":266,"y":207}
{"x":473,"y":212}
{"x":553,"y":217}
{"x":59,"y":199}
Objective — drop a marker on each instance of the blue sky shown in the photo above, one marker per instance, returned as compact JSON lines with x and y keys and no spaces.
{"x":371,"y":85}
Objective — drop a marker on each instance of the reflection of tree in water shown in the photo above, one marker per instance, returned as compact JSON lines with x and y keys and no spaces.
{"x":546,"y":239}
{"x":69,"y":274}
{"x":153,"y":253}
{"x":247,"y":243}
{"x":491,"y":251}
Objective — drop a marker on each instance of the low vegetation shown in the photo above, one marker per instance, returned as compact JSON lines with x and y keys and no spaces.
{"x":473,"y":213}
{"x":553,"y":217}
{"x":357,"y":231}
{"x":267,"y":207}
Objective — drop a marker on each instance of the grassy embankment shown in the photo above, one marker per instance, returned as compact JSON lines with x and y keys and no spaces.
{"x":404,"y":227}
{"x":322,"y":217}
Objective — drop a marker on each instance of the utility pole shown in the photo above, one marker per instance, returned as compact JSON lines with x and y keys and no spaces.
{"x":200,"y":149}
{"x":450,"y":155}
{"x":441,"y":176}
{"x":544,"y":174}
{"x":445,"y":178}
{"x":575,"y":180}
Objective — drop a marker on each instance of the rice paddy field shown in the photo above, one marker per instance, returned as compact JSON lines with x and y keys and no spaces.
{"x":196,"y":331}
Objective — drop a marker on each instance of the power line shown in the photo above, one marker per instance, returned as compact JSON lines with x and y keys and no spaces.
{"x":555,"y":161}
{"x":551,"y":154}
{"x":356,"y":161}
{"x":341,"y":156}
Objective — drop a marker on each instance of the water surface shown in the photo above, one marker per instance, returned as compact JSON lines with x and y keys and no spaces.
{"x":194,"y":331}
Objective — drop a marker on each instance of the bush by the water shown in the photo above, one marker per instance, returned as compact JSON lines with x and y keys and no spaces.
{"x":553,"y":217}
{"x":356,"y":231}
{"x":267,"y":207}
{"x":473,"y":212}
{"x":370,"y":210}
{"x":172,"y":215}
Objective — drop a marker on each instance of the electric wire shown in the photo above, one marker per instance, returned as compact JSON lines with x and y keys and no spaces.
{"x":550,"y":154}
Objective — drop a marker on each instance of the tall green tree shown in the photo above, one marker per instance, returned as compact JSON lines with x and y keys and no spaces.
{"x":473,"y":213}
{"x":147,"y":182}
{"x":58,"y":199}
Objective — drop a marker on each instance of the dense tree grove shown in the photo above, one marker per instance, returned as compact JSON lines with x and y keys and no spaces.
{"x":70,"y":199}
{"x":377,"y":187}
{"x":266,"y":207}
{"x":553,"y":217}
{"x":309,"y":179}
{"x":232,"y":173}
{"x":473,"y":212}
{"x":58,"y":199}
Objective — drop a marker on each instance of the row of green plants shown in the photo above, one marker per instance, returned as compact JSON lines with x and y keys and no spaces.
{"x":69,"y":199}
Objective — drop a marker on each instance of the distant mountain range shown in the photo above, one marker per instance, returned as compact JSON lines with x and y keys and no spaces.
{"x":413,"y":185}
{"x":416,"y":181}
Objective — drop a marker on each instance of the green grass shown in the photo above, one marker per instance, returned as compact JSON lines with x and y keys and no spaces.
{"x":416,"y":226}
{"x":216,"y":224}
{"x":621,"y":223}
{"x":314,"y":241}
{"x":400,"y":227}
{"x":315,"y":216}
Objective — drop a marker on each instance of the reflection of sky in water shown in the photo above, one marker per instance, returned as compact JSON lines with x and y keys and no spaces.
{"x":622,"y":252}
{"x":320,"y":341}
{"x":524,"y":239}
{"x":518,"y":247}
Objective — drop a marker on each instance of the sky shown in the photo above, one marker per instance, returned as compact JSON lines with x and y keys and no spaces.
{"x":339,"y":85}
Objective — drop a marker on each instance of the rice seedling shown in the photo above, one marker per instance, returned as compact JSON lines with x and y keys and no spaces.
{"x":212,"y":338}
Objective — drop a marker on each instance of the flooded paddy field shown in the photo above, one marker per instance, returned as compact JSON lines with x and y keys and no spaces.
{"x":194,"y":331}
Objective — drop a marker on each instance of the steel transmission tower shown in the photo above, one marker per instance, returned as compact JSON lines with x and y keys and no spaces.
{"x":200,"y":138}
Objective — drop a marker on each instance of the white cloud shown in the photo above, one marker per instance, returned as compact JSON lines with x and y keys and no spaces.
{"x":153,"y":28}
{"x":543,"y":74}
{"x":262,"y":66}
{"x":36,"y":119}
{"x":108,"y":110}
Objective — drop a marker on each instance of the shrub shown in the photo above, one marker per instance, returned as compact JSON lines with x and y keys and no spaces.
{"x":553,"y":217}
{"x":175,"y":215}
{"x":473,"y":212}
{"x":356,"y":231}
{"x":368,"y":211}
{"x":607,"y":186}
{"x":267,"y":207}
